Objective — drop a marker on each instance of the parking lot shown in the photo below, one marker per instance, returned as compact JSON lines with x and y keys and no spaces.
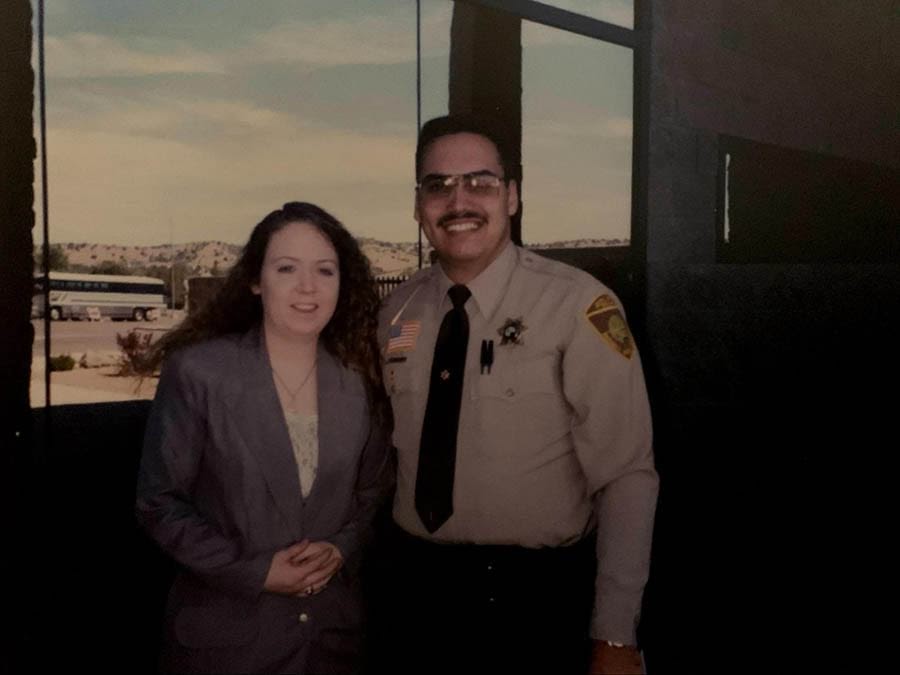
{"x":97,"y":338}
{"x":68,"y":337}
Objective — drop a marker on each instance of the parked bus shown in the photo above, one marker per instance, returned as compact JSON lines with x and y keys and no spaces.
{"x":87,"y":296}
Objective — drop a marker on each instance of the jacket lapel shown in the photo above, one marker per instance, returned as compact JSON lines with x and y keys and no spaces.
{"x":257,"y":415}
{"x":340,"y":413}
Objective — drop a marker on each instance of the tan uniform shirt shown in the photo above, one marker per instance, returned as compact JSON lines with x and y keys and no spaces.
{"x":554,"y":440}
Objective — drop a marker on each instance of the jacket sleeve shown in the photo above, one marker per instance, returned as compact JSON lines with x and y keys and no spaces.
{"x":172,"y":459}
{"x":374,"y":483}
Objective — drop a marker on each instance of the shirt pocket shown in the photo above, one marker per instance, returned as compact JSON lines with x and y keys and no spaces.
{"x":522,"y":404}
{"x":514,"y":379}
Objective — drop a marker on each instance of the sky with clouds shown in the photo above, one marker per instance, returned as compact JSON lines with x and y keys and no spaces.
{"x":186,"y":120}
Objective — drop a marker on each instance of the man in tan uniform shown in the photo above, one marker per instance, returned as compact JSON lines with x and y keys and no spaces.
{"x":553,"y":442}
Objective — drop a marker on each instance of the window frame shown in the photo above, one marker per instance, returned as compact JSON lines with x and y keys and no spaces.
{"x":631,"y":263}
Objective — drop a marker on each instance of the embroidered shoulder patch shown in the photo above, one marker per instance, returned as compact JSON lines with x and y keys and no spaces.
{"x":606,"y":318}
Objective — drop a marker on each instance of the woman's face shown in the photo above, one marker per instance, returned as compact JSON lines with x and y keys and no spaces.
{"x":299,"y":282}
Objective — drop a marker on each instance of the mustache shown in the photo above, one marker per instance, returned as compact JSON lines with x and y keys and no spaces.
{"x":459,"y":215}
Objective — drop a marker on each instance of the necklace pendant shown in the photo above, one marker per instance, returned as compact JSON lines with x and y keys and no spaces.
{"x":293,"y":394}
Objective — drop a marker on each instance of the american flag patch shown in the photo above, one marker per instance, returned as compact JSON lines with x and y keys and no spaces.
{"x":402,"y":337}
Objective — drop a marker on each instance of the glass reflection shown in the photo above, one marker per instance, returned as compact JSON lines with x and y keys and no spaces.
{"x":173,"y":126}
{"x":576,"y":139}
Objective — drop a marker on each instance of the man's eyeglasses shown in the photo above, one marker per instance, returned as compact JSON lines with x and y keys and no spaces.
{"x":478,"y":183}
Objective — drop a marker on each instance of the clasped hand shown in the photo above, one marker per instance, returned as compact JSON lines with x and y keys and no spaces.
{"x":304,"y":568}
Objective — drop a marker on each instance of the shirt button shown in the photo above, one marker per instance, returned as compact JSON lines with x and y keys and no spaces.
{"x":490,"y":600}
{"x":510,"y":392}
{"x":490,"y":567}
{"x":303,"y":618}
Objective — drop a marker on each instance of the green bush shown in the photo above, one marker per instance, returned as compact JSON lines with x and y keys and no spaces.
{"x":61,"y":362}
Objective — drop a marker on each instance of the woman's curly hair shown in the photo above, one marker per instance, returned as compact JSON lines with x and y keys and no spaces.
{"x":350,"y":335}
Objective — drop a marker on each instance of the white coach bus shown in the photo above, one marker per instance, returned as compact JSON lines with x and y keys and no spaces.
{"x":85,"y":296}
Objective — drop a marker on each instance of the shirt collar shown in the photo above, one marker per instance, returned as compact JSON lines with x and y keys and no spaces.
{"x":488,"y":287}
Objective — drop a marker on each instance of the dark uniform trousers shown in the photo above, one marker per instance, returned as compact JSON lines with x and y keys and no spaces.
{"x":466,"y":608}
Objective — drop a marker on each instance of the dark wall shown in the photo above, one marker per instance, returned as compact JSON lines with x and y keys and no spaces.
{"x":83,"y":588}
{"x":772,"y":428}
{"x":94,"y":570}
{"x":16,"y":221}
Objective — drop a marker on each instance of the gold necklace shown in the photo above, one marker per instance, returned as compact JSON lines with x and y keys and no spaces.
{"x":294,"y":394}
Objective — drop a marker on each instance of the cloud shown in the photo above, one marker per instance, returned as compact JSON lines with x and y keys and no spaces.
{"x":609,"y":128}
{"x":357,"y":40}
{"x":87,"y":55}
{"x":363,"y":40}
{"x":377,"y":39}
{"x":129,"y":158}
{"x":126,"y":187}
{"x":360,"y":39}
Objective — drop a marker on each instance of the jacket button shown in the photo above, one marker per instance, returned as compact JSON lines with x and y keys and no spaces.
{"x":303,"y":618}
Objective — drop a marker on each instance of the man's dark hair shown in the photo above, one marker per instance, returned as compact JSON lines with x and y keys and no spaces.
{"x":481,"y":125}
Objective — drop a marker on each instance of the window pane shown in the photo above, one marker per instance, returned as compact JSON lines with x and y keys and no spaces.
{"x":576,"y":139}
{"x":618,"y":12}
{"x":783,"y":205}
{"x":174,"y":127}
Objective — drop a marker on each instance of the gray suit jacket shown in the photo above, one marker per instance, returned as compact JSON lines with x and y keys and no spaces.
{"x":219,"y":491}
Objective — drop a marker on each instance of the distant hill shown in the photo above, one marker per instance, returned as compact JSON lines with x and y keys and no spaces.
{"x":580,"y":243}
{"x":204,"y":258}
{"x":211,"y":257}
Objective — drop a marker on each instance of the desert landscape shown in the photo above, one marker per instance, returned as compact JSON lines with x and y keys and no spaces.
{"x":211,"y":258}
{"x":92,"y":345}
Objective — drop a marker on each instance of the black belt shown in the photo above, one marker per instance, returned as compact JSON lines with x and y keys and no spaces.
{"x":503,"y":559}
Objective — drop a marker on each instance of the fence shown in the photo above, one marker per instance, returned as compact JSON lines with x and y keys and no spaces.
{"x":388,"y":284}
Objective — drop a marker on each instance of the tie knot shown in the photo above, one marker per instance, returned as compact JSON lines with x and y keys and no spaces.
{"x":458,"y":295}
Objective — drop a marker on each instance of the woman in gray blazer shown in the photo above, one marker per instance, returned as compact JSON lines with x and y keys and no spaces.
{"x":266,"y":456}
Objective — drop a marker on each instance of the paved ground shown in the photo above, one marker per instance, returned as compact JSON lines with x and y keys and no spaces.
{"x":67,"y":337}
{"x":89,"y":385}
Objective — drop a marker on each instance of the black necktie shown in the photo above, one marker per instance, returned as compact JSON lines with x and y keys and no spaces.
{"x":437,"y":450}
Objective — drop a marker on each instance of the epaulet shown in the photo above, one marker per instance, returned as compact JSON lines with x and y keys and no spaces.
{"x":408,"y":287}
{"x":535,"y":262}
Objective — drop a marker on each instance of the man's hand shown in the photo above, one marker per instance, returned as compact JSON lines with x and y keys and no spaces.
{"x":609,"y":660}
{"x":303,"y":568}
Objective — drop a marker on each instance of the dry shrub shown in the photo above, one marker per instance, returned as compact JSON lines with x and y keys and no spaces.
{"x":135,"y":346}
